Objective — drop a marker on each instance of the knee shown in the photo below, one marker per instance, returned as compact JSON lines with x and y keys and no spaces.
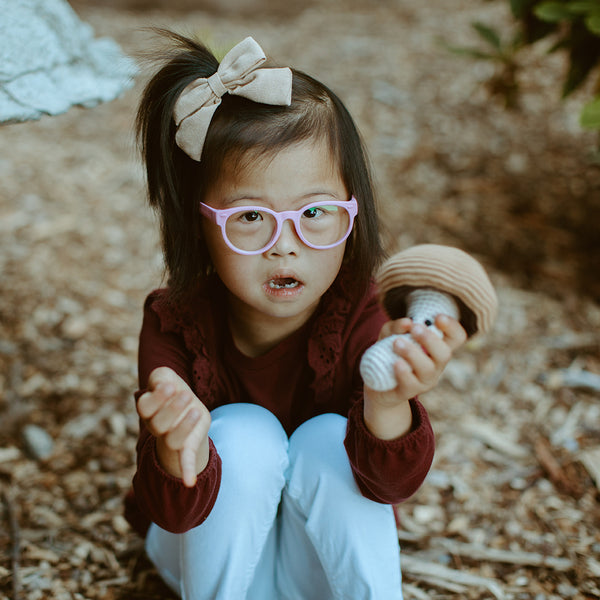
{"x":319,"y":436}
{"x":250,"y":441}
{"x":317,"y":454}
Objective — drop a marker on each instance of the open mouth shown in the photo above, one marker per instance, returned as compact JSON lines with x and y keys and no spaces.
{"x":283,"y":283}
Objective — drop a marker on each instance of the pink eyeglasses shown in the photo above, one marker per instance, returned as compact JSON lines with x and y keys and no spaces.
{"x":255,"y":229}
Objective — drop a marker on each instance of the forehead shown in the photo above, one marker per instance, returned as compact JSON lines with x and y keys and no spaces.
{"x":296,"y":169}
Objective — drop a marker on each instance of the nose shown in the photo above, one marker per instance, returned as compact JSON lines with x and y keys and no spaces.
{"x":288,"y":241}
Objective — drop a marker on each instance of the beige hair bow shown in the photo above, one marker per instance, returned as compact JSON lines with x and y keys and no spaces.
{"x":239,"y":73}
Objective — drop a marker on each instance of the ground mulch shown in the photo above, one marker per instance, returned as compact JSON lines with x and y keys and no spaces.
{"x":510,"y":509}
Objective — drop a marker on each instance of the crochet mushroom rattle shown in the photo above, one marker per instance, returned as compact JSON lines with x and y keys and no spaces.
{"x":423,"y":282}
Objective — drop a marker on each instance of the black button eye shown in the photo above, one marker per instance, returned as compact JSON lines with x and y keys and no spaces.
{"x":428,"y":322}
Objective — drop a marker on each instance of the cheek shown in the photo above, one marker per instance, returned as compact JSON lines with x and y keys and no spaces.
{"x":328,"y":263}
{"x":230,"y":266}
{"x":226,"y":262}
{"x":214,"y":241}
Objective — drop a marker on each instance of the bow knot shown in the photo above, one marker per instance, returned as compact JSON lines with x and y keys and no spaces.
{"x":216,"y":85}
{"x":240,"y":74}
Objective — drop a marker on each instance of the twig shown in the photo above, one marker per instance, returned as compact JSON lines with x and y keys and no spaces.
{"x":591,"y":461}
{"x":444,"y":584}
{"x":15,"y":537}
{"x":571,"y":378}
{"x":411,"y":592}
{"x":114,"y":581}
{"x":546,"y":458}
{"x":421,"y":568}
{"x":494,"y":438}
{"x":532,"y":559}
{"x":570,"y":341}
{"x":548,"y":521}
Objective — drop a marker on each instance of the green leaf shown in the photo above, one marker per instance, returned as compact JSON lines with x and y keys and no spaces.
{"x":552,"y":12}
{"x":472,"y":53}
{"x":583,"y":7}
{"x":592,"y":22}
{"x":488,"y":34}
{"x":590,"y":115}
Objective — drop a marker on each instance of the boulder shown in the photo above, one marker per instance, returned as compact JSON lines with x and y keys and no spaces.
{"x":50,"y":61}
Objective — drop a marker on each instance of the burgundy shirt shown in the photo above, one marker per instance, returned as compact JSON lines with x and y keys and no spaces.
{"x":314,"y":371}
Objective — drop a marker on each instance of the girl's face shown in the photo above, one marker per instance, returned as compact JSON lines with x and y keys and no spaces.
{"x":274,"y":293}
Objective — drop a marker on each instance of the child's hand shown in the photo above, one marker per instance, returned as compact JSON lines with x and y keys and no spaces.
{"x":418,"y":368}
{"x":421,"y":362}
{"x":179,"y":421}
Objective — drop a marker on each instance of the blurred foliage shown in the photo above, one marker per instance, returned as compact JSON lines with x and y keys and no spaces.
{"x":575,"y":25}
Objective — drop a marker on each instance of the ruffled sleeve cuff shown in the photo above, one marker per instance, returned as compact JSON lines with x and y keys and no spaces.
{"x":389,"y":471}
{"x":165,"y":500}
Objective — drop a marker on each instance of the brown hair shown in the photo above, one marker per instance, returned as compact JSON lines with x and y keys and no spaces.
{"x":240,"y":131}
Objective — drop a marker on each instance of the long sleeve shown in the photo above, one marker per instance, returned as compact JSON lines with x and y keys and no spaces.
{"x":164,"y":499}
{"x":389,"y":471}
{"x":157,"y":495}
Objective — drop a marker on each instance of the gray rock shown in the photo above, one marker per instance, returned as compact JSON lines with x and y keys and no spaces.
{"x":38,"y":442}
{"x":50,"y":61}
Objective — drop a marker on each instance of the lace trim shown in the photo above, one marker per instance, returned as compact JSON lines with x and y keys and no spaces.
{"x":326,"y":340}
{"x":182,"y":320}
{"x":200,"y":334}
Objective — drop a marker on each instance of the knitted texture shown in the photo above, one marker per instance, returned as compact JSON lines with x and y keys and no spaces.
{"x":444,"y":268}
{"x":424,"y":305}
{"x":377,"y":363}
{"x":421,"y":283}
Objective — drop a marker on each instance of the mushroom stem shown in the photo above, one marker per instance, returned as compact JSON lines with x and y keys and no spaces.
{"x":423,"y":306}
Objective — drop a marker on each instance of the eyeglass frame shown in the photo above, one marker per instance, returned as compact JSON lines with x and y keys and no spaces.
{"x":219,"y":216}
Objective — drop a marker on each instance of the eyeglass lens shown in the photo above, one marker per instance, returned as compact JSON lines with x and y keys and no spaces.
{"x":319,"y":225}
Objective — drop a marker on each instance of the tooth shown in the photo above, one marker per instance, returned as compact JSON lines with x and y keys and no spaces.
{"x":279,"y":286}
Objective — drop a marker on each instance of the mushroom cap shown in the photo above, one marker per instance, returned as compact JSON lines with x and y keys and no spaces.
{"x":443,"y":268}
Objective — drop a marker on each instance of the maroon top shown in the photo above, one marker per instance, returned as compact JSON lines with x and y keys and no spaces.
{"x":312,"y":372}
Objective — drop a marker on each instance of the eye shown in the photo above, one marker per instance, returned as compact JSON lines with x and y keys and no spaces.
{"x":251,"y":216}
{"x":312,"y":213}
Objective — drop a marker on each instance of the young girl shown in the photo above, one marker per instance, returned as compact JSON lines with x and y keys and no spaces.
{"x":265,"y":469}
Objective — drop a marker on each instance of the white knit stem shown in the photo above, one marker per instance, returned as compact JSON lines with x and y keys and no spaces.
{"x":423,"y":306}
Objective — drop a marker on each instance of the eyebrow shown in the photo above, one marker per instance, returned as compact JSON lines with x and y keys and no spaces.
{"x":247,"y":198}
{"x":250,"y":198}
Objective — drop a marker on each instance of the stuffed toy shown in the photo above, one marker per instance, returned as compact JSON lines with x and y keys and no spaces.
{"x":420,"y":283}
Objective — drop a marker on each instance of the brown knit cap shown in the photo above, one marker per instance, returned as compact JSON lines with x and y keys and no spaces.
{"x":444,"y":268}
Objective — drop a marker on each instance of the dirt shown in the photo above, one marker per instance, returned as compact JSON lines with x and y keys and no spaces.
{"x":510,"y":509}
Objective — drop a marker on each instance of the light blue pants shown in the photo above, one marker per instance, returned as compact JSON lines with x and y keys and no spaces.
{"x":289,"y":522}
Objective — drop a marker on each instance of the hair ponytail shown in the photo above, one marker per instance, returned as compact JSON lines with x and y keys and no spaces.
{"x":170,"y":173}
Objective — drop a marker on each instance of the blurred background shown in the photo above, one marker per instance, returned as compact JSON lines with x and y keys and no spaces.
{"x":473,"y":143}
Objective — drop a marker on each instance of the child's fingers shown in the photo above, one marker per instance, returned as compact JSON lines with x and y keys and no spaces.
{"x":193,"y":442}
{"x":162,"y":375}
{"x":395,"y":327}
{"x":150,"y":402}
{"x":435,"y":347}
{"x":408,"y":383}
{"x":162,"y":384}
{"x":416,"y":357}
{"x":176,"y":438}
{"x":166,"y":401}
{"x":187,"y":458}
{"x":454,"y":333}
{"x":170,"y":414}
